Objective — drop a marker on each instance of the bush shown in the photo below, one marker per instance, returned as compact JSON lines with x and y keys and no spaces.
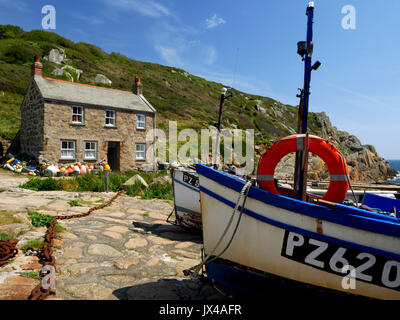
{"x":45,"y":36}
{"x":38,"y":184}
{"x":21,"y":53}
{"x":10,"y":32}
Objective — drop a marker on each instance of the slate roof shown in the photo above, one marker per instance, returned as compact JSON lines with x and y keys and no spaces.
{"x":82,"y":94}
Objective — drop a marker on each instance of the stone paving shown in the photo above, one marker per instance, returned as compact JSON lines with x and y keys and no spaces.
{"x":125,"y":251}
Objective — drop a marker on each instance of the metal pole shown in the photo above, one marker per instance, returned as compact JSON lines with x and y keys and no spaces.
{"x":107,"y":180}
{"x":306,"y":95}
{"x":221,"y":105}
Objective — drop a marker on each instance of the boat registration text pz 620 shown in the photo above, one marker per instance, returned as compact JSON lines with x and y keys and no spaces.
{"x":335,"y":259}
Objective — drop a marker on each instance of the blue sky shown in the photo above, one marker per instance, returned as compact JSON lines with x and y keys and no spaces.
{"x":252,"y":47}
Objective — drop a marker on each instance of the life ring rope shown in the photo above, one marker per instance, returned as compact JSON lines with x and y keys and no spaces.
{"x":339,"y":182}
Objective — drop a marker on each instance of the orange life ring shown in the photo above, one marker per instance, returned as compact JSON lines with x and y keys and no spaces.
{"x":337,"y":166}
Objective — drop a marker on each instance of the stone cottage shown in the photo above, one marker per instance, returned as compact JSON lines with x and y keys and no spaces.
{"x":65,"y":122}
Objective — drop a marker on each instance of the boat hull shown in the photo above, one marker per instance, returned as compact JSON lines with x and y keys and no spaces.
{"x":300,"y":241}
{"x":187,"y":198}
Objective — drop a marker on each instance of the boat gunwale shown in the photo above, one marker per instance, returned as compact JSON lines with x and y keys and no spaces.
{"x":343,"y":215}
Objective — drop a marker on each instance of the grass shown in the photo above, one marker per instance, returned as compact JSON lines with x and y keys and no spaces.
{"x":35,"y":244}
{"x":8,"y":218}
{"x":30,"y":274}
{"x":39,"y":184}
{"x":96,"y":183}
{"x":159,"y":191}
{"x":74,"y":203}
{"x":2,"y":190}
{"x":5,"y":236}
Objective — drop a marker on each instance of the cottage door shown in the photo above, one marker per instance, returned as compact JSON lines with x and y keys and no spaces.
{"x":113,"y":155}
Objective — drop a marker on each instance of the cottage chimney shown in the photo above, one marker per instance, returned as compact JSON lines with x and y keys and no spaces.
{"x":137,"y":87}
{"x":37,"y":67}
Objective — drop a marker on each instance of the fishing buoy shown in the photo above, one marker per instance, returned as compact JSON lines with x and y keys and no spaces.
{"x":83,"y":170}
{"x":107,"y":167}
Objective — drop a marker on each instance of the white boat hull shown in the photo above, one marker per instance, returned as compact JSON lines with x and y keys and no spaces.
{"x":186,"y":198}
{"x":274,"y":239}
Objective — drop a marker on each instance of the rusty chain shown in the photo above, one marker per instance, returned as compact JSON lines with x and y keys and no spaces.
{"x":8,"y":248}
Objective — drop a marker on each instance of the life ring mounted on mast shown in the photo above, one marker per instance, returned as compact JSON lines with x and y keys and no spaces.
{"x":337,"y":166}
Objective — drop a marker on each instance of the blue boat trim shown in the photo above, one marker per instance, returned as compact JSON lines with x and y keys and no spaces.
{"x":314,"y":235}
{"x":186,"y":185}
{"x":186,"y":210}
{"x":344,"y":215}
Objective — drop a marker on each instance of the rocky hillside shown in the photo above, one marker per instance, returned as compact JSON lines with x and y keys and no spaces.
{"x":176,"y":94}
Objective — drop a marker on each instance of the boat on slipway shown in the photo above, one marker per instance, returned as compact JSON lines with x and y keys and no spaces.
{"x":255,"y":235}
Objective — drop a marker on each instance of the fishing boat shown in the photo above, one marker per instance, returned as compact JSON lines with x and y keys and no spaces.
{"x":255,"y":234}
{"x":185,"y":183}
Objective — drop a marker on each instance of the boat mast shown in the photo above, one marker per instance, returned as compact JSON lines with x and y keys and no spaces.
{"x":305,"y":49}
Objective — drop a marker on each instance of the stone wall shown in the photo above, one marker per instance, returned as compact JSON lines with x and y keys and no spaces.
{"x":4,"y":145}
{"x":58,"y":126}
{"x":32,"y":116}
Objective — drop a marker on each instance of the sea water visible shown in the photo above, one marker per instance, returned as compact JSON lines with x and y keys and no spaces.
{"x":395,"y":164}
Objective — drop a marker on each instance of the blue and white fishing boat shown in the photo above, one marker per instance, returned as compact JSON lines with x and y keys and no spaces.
{"x":252,"y":235}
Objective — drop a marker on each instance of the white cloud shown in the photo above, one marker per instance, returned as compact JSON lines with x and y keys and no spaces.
{"x":171,"y":55}
{"x":210,"y":55}
{"x":16,"y":4}
{"x":146,"y":8}
{"x":214,"y":21}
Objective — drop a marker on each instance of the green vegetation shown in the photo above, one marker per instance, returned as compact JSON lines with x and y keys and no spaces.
{"x":39,"y":184}
{"x":177,"y":95}
{"x":35,"y":244}
{"x":74,"y":203}
{"x":8,"y":218}
{"x":39,"y":220}
{"x":97,"y":183}
{"x":30,"y":274}
{"x":159,"y":191}
{"x":5,"y":236}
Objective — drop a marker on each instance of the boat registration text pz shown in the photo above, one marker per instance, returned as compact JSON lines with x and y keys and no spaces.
{"x":335,"y":259}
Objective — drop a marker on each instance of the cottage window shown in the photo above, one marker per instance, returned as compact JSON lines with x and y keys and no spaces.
{"x":140,"y":121}
{"x":110,"y":118}
{"x":140,"y":151}
{"x":77,"y":115}
{"x":67,"y":149}
{"x":90,"y":150}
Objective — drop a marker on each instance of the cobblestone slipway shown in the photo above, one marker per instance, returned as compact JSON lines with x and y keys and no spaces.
{"x":125,"y":251}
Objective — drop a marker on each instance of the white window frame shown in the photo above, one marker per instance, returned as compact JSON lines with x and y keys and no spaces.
{"x":137,"y":152}
{"x":113,"y":118}
{"x":93,"y":149}
{"x":68,"y":149}
{"x":143,"y":122}
{"x":78,"y":114}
